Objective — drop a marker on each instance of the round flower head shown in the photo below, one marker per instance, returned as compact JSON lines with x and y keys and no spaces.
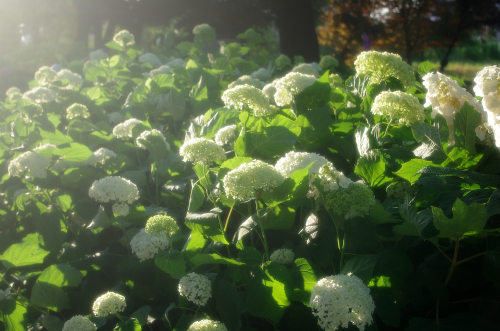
{"x":159,"y":225}
{"x":114,"y":189}
{"x":120,"y":209}
{"x":40,"y":95}
{"x":487,"y":85}
{"x":13,"y":93}
{"x":382,"y":65}
{"x":246,"y":80}
{"x":261,"y":74}
{"x":226,"y":136}
{"x":290,"y":85}
{"x":354,"y":200}
{"x":331,"y":179}
{"x":125,"y":129}
{"x":282,"y":256}
{"x":307,"y":69}
{"x":108,"y":303}
{"x":154,"y":137}
{"x":400,"y":107}
{"x":150,"y":58}
{"x":207,"y":325}
{"x":33,"y":163}
{"x":328,"y":62}
{"x":45,"y":75}
{"x":244,"y":182}
{"x":145,"y":246}
{"x":77,"y":110}
{"x":342,"y":299}
{"x":101,"y":156}
{"x":248,"y":97}
{"x":195,"y":288}
{"x":124,"y":38}
{"x":282,"y":62}
{"x":293,"y":161}
{"x":115,"y":117}
{"x":204,"y":34}
{"x":446,"y":98}
{"x":69,"y":79}
{"x":269,"y":90}
{"x":79,"y":323}
{"x":202,"y":150}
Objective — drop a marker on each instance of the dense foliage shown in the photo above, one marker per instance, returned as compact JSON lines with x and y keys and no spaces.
{"x":209,"y":188}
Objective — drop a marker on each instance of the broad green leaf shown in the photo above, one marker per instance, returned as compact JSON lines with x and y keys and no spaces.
{"x":197,"y":197}
{"x":425,"y":67}
{"x":240,"y":145}
{"x":129,"y":325}
{"x":61,"y":275}
{"x":201,"y":259}
{"x":466,"y":220}
{"x":281,"y":217}
{"x":417,"y":224}
{"x":245,"y":228}
{"x":361,"y":265}
{"x":207,"y":224}
{"x":466,"y":121}
{"x":410,"y":170}
{"x":379,"y":215}
{"x":26,"y":253}
{"x":304,"y":280}
{"x":195,"y":242}
{"x":12,"y":314}
{"x":75,"y":152}
{"x":49,"y":296}
{"x":372,"y":170}
{"x":314,"y":96}
{"x":65,"y":202}
{"x":228,"y":303}
{"x":172,"y":263}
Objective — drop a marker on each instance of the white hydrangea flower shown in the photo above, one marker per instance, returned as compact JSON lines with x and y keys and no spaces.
{"x":146,"y":245}
{"x":446,"y":98}
{"x":226,"y":136}
{"x":71,"y":79}
{"x":161,"y":225}
{"x":282,"y":256}
{"x":101,"y":156}
{"x":327,"y":62}
{"x":13,"y":93}
{"x":246,"y":80}
{"x":307,"y":69}
{"x":207,"y":325}
{"x":79,"y":323}
{"x":124,"y":38}
{"x":382,"y":65}
{"x":40,"y":95}
{"x":195,"y":288}
{"x":244,"y":182}
{"x":204,"y":33}
{"x":487,"y":86}
{"x":331,"y":179}
{"x":282,"y":62}
{"x":120,"y":209}
{"x":154,"y":136}
{"x":150,"y":58}
{"x":262,"y":74}
{"x":290,"y":85}
{"x":77,"y":110}
{"x":248,"y":97}
{"x":114,"y":189}
{"x":400,"y":107}
{"x":125,"y":129}
{"x":33,"y":163}
{"x":269,"y":90}
{"x":45,"y":75}
{"x":293,"y":161}
{"x":115,"y":117}
{"x":108,"y":303}
{"x":342,"y":299}
{"x":201,"y":150}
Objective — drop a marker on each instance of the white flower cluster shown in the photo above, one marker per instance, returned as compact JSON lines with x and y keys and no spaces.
{"x":328,"y":62}
{"x":146,"y":245}
{"x":248,"y":97}
{"x":108,"y":303}
{"x":207,"y":325}
{"x":45,"y":76}
{"x":79,"y":323}
{"x":154,"y":136}
{"x":246,"y":80}
{"x":293,"y":161}
{"x":282,"y":61}
{"x":195,"y":288}
{"x":342,"y":299}
{"x":400,"y":107}
{"x":161,"y":225}
{"x":13,"y":93}
{"x":202,"y":150}
{"x":244,"y":182}
{"x":115,"y":189}
{"x":35,"y":164}
{"x":71,"y":80}
{"x":290,"y":85}
{"x":269,"y":90}
{"x":77,"y":110}
{"x":226,"y":136}
{"x":150,"y":58}
{"x":282,"y":256}
{"x":487,"y":85}
{"x":204,"y":33}
{"x":382,"y":65}
{"x":307,"y":69}
{"x":124,"y":38}
{"x":125,"y":129}
{"x":101,"y":156}
{"x":331,"y":179}
{"x":446,"y":98}
{"x":40,"y":94}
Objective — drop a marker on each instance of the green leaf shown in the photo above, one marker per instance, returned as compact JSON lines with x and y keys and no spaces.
{"x":245,"y":228}
{"x":197,"y":197}
{"x":61,"y":275}
{"x":304,"y":281}
{"x":76,"y":152}
{"x":240,"y":145}
{"x":467,"y":220}
{"x":379,"y":215}
{"x":425,"y":67}
{"x":228,"y":303}
{"x":12,"y":315}
{"x":314,"y":96}
{"x":129,"y":325}
{"x":466,"y":121}
{"x":372,"y":170}
{"x":172,"y":263}
{"x":195,"y":242}
{"x":272,"y":142}
{"x":416,"y":224}
{"x":201,"y":259}
{"x":65,"y":202}
{"x":293,"y":190}
{"x":361,"y":265}
{"x":207,"y":224}
{"x":26,"y":253}
{"x":281,"y":217}
{"x":410,"y":170}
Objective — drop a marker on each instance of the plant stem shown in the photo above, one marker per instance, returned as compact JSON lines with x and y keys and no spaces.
{"x":264,"y":239}
{"x":227,"y":218}
{"x":453,"y":262}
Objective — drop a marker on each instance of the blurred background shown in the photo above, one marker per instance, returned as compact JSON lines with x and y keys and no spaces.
{"x":458,"y":36}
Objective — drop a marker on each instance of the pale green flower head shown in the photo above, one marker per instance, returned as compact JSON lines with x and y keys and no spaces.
{"x":107,"y":304}
{"x":77,"y":110}
{"x":226,"y":136}
{"x":207,"y":325}
{"x":202,"y":150}
{"x":248,"y":97}
{"x":261,"y":74}
{"x":120,"y":209}
{"x":290,"y":85}
{"x":246,"y":80}
{"x":330,"y":179}
{"x":400,"y":107}
{"x":293,"y":161}
{"x":34,"y":164}
{"x":355,"y":200}
{"x":196,"y":288}
{"x":204,"y":34}
{"x":162,"y":224}
{"x":124,"y":38}
{"x":114,"y":189}
{"x":40,"y":95}
{"x":45,"y":75}
{"x":328,"y":62}
{"x":282,"y":61}
{"x":70,"y":79}
{"x":340,"y":300}
{"x":382,"y":65}
{"x":307,"y":69}
{"x":487,"y":86}
{"x":154,"y":137}
{"x":79,"y":323}
{"x":244,"y":182}
{"x":13,"y":93}
{"x":145,"y":246}
{"x":101,"y":156}
{"x":282,"y":256}
{"x":126,"y":128}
